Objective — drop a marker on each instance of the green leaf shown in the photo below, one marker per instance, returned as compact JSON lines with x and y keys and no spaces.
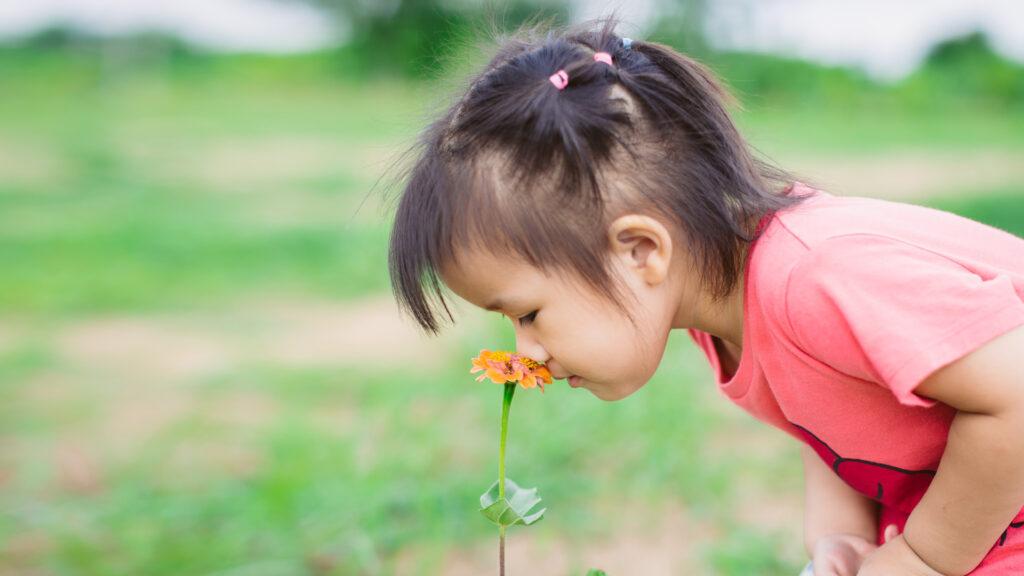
{"x":516,"y":508}
{"x":596,"y":572}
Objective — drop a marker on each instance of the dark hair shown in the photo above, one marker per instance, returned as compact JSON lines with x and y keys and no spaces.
{"x":520,"y":167}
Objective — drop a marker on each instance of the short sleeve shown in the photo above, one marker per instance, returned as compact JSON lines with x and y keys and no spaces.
{"x":886,"y":311}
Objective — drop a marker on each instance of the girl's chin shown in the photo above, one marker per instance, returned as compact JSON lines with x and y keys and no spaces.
{"x":575,"y":381}
{"x":610,"y":393}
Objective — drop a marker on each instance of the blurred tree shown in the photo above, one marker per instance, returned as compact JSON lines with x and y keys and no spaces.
{"x":67,"y":39}
{"x":108,"y":57}
{"x":968,"y":67}
{"x":416,"y":37}
{"x":964,"y":50}
{"x":680,"y":24}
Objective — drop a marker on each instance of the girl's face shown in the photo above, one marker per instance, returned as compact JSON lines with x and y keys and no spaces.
{"x":566,"y":324}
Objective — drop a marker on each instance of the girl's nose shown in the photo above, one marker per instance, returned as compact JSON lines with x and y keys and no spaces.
{"x":529,"y":346}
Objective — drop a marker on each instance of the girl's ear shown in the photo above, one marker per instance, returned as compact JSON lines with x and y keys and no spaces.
{"x":643,"y":245}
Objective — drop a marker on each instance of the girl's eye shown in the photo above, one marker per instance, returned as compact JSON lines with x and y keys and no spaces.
{"x":524,"y":320}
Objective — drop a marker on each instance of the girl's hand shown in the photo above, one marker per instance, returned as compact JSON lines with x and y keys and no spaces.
{"x":842,"y":554}
{"x":895,"y":558}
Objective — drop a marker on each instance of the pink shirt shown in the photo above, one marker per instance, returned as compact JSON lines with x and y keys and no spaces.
{"x":849,"y":304}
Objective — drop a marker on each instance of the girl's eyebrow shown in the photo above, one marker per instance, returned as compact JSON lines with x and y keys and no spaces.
{"x":499,"y":304}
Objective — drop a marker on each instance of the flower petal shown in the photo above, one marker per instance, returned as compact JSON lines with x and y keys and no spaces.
{"x":503,"y":367}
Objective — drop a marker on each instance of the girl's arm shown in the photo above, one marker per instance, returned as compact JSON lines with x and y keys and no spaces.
{"x":831,"y":506}
{"x":979,"y":486}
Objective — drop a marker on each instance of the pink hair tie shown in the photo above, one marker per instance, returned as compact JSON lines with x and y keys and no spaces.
{"x":603,"y":57}
{"x":560,"y":79}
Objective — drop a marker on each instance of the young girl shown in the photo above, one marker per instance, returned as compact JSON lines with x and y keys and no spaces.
{"x":595,"y":191}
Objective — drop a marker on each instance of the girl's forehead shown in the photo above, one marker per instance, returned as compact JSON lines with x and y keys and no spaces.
{"x":481,"y":261}
{"x":492,"y":281}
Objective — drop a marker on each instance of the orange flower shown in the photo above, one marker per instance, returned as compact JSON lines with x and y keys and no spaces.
{"x":503,"y":367}
{"x":534,"y":373}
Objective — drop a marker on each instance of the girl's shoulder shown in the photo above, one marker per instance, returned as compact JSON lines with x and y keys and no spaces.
{"x":826,"y":223}
{"x":875,"y":288}
{"x":885,"y":291}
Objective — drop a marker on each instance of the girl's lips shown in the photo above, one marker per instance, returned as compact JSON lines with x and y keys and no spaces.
{"x":575,"y":381}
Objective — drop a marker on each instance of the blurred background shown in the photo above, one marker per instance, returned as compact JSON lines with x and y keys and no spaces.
{"x":201,"y":367}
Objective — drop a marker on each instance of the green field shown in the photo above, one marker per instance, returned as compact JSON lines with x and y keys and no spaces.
{"x":201,"y":374}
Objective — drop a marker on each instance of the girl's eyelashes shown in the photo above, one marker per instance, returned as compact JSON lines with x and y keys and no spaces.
{"x":524,"y":320}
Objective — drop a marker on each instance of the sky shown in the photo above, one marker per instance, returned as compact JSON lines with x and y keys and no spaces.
{"x":886,"y":38}
{"x":229,"y":25}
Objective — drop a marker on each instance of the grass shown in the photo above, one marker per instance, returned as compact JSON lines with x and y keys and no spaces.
{"x":127,"y":196}
{"x":873,"y":131}
{"x":1002,"y":208}
{"x":349,"y":498}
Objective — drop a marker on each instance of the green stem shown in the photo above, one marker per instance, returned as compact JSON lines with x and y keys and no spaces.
{"x":506,"y":405}
{"x":510,"y":389}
